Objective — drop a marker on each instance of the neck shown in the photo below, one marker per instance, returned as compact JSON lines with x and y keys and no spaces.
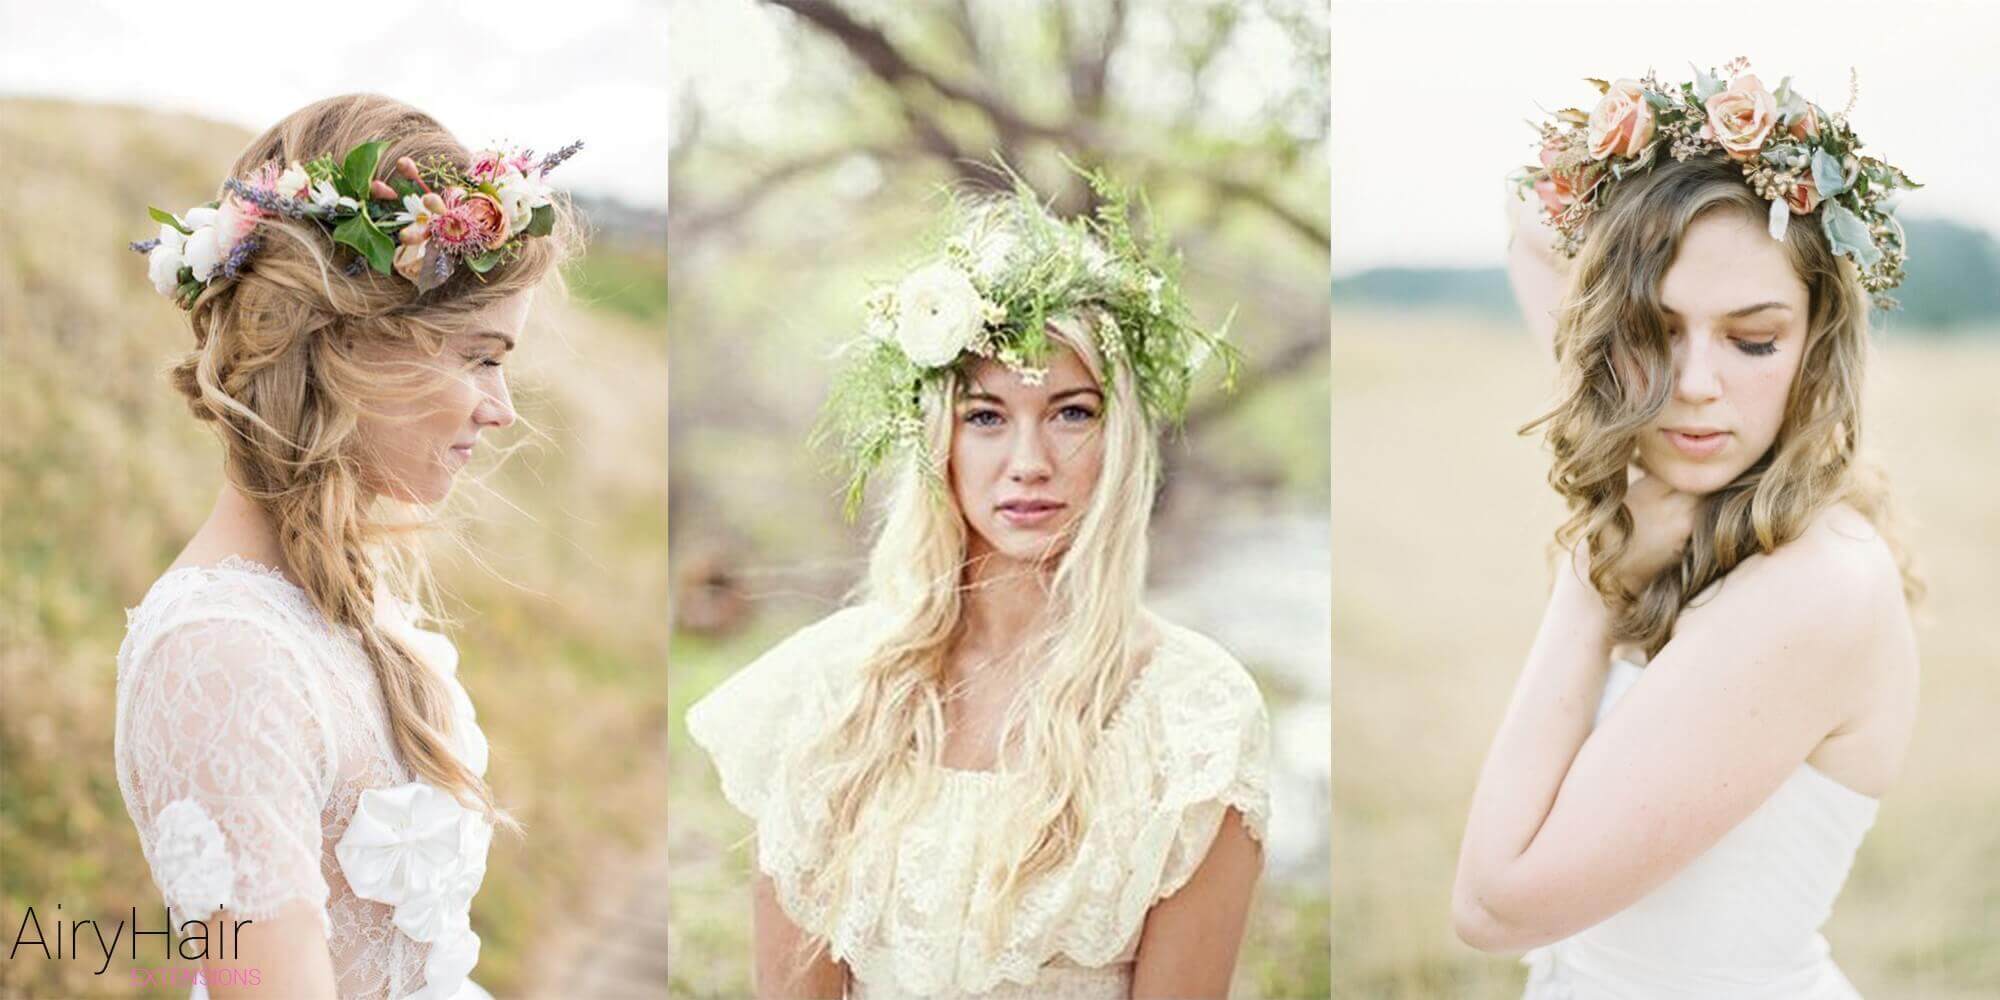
{"x":1003,"y":599}
{"x":238,"y":525}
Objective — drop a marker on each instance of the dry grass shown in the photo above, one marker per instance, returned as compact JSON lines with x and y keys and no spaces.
{"x":105,"y":476}
{"x":1441,"y":528}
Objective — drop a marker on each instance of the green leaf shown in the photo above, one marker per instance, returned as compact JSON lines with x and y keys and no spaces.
{"x":543,"y":221}
{"x":1827,"y":174}
{"x":485,"y":262}
{"x":360,"y":233}
{"x":359,"y":168}
{"x":168,"y":219}
{"x":1705,"y":86}
{"x":1849,"y":235}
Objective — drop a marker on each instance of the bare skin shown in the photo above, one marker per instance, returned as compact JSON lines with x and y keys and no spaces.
{"x":1802,"y":656}
{"x":417,"y":455}
{"x":1040,"y":443}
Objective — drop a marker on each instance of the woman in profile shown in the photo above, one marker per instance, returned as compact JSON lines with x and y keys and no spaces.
{"x":1724,"y":682}
{"x":996,"y":774}
{"x":301,"y":762}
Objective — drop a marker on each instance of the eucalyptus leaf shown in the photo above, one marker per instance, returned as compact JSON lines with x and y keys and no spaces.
{"x":542,"y":222}
{"x":359,"y":168}
{"x":1705,"y":86}
{"x":1827,"y":174}
{"x":167,"y":219}
{"x":1849,"y":235}
{"x":360,"y":233}
{"x":485,"y":262}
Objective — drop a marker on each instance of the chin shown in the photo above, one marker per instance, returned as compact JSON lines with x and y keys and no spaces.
{"x":1696,"y":478}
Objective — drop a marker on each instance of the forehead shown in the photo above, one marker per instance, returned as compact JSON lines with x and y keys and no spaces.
{"x":1727,"y":261}
{"x":1066,"y":372}
{"x":507,"y":317}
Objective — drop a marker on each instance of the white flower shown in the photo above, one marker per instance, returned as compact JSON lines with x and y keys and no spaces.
{"x":204,"y":252}
{"x":992,"y":256}
{"x":520,"y":194}
{"x":1154,"y":282}
{"x":403,"y":843}
{"x":294,"y":182}
{"x":191,"y":861}
{"x":450,"y":960}
{"x":164,"y":262}
{"x":1032,"y":376}
{"x":414,"y":212}
{"x":938,"y":313}
{"x":325,"y":195}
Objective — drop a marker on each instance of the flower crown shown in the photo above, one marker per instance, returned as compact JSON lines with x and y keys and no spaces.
{"x":421,"y":222}
{"x":1791,"y":151}
{"x":1007,"y":269}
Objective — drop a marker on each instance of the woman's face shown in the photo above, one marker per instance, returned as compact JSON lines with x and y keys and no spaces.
{"x":416,"y":445}
{"x":1737,"y":312}
{"x":1025,"y":458}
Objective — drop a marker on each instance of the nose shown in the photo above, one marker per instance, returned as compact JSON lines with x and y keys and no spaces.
{"x":496,"y":407}
{"x":1028,"y":461}
{"x":1695,"y":377}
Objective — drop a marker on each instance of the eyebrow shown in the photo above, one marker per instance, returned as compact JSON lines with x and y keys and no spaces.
{"x":1745,"y":311}
{"x":976,"y":396}
{"x":497,"y":335}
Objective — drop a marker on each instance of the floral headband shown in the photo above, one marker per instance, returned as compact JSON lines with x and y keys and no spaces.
{"x":1006,"y":271}
{"x":421,"y":222}
{"x":1791,"y":152}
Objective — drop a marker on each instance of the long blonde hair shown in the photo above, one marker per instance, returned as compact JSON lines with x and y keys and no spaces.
{"x":287,"y":359}
{"x":881,"y":761}
{"x":1616,"y":375}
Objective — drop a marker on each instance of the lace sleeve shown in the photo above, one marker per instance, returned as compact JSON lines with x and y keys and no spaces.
{"x":1215,"y":757}
{"x":226,"y":764}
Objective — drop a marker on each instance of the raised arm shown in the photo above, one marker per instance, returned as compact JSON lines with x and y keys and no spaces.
{"x":1569,"y":825}
{"x":1189,"y":944}
{"x":1537,"y":275}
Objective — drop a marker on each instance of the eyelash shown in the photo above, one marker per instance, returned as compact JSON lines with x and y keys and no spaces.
{"x":1758,"y":349}
{"x":977,"y":417}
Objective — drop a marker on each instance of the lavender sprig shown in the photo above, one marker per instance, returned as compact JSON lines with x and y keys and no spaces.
{"x":275,"y":203}
{"x":553,"y":160}
{"x":144,"y":246}
{"x":238,"y":256}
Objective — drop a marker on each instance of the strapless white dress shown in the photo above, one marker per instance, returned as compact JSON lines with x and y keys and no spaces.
{"x":1739,"y":923}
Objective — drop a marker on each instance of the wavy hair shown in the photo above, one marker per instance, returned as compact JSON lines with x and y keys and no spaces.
{"x":1615,"y":364}
{"x":888,"y":749}
{"x":291,"y":354}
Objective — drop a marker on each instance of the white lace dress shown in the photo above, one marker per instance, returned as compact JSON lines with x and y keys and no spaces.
{"x":1739,"y":923}
{"x":1189,"y":741}
{"x":254,"y":755}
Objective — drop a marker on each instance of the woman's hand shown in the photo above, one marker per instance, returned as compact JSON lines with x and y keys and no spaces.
{"x":1662,"y":523}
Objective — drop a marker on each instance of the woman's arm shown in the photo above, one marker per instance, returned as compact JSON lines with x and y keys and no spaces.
{"x":287,"y":950}
{"x":1533,"y":269}
{"x":1188,"y":947}
{"x":780,"y":948}
{"x":1569,"y":825}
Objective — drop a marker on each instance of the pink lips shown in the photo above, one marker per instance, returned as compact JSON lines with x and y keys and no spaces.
{"x":1696,"y":442}
{"x":1029,"y":513}
{"x":461,"y":452}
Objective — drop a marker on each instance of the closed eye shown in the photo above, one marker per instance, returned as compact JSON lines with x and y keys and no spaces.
{"x":1758,"y":348}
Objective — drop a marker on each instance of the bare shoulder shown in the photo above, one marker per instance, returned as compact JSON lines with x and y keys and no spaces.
{"x":1838,"y":576}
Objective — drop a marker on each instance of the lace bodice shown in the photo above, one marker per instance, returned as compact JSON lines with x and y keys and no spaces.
{"x":1741,"y":922}
{"x":255,"y":758}
{"x":1189,"y":741}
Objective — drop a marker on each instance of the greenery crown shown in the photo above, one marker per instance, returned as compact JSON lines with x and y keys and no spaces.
{"x":421,"y":221}
{"x":1792,"y":153}
{"x":1006,"y":268}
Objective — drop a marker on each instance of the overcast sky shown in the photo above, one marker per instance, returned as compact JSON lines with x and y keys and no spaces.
{"x":536,"y":73}
{"x":1430,"y":101}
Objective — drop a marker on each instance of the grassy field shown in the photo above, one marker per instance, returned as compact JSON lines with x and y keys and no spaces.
{"x":560,"y":618}
{"x":1441,"y":533}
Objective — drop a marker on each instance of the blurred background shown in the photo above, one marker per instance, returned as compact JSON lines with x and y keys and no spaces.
{"x":809,"y":140}
{"x":1437,"y":591}
{"x":555,"y":567}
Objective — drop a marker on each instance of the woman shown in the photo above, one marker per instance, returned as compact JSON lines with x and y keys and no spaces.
{"x":1724,"y":683}
{"x":303,"y":767}
{"x":996,"y":775}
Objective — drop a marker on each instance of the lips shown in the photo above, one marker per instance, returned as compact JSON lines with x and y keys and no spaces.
{"x":1029,"y":512}
{"x":1696,"y":442}
{"x":461,"y":452}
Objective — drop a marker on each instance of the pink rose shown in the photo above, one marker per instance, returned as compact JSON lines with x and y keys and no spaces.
{"x":469,"y":223}
{"x":1741,"y":116}
{"x":1803,"y":197}
{"x":1562,"y":185}
{"x":488,"y":217}
{"x":485,"y":166}
{"x":1622,"y":122}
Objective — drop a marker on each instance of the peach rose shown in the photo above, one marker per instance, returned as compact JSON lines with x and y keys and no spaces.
{"x":489,"y":218}
{"x":1741,"y":116}
{"x":1622,"y":122}
{"x":1803,"y":196}
{"x":1806,"y":126}
{"x":1562,"y":186}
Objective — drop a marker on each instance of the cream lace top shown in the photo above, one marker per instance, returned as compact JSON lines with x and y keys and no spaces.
{"x":254,"y":755}
{"x":1189,"y":741}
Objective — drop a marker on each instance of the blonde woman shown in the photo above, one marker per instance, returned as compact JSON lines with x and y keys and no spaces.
{"x":996,"y":774}
{"x":304,"y":769}
{"x":1724,"y":683}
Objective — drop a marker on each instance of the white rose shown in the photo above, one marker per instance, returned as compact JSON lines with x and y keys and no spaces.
{"x":294,"y":182}
{"x":938,"y":314}
{"x":204,"y":252}
{"x":163,"y":266}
